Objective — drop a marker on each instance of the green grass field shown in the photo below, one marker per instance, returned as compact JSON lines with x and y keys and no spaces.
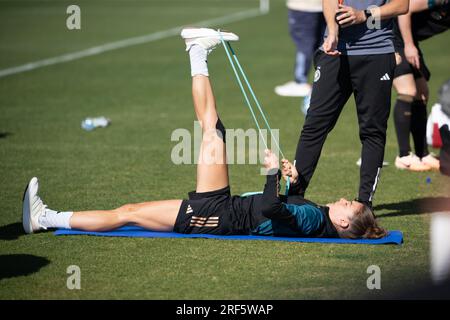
{"x":145,"y":90}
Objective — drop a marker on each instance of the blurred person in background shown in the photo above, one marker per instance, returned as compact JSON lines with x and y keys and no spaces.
{"x":438,"y":127}
{"x":306,"y":27}
{"x":424,"y":19}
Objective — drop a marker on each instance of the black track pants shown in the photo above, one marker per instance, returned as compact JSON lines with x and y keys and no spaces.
{"x":369,"y":78}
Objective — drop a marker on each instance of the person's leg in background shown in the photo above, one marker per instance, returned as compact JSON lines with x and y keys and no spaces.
{"x":408,"y":118}
{"x":373,"y":102}
{"x":419,"y":124}
{"x":405,"y":86}
{"x":304,"y":33}
{"x":331,"y":90}
{"x":419,"y":118}
{"x":305,"y":28}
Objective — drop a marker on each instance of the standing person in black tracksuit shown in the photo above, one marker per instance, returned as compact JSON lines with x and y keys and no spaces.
{"x":357,"y":57}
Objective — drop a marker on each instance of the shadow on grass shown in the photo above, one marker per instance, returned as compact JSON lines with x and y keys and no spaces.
{"x":11,"y":231}
{"x":15,"y":265}
{"x":5,"y":134}
{"x":422,"y":290}
{"x":414,"y":206}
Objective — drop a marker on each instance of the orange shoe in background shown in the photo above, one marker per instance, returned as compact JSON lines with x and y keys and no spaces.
{"x":431,"y":161}
{"x":411,"y":162}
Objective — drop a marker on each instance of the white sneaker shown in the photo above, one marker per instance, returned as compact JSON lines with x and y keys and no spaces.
{"x":411,"y":162}
{"x":293,"y":89}
{"x":205,"y":37}
{"x":431,"y":161}
{"x":32,"y":207}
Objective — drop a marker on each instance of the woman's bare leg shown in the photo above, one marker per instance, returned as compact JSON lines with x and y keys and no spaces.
{"x":154,"y":215}
{"x":405,"y":85}
{"x":212,"y":169}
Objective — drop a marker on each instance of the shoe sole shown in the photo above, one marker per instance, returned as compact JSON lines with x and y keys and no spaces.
{"x":419,"y":170}
{"x":432,"y":167}
{"x":26,"y":215}
{"x":191,"y":33}
{"x":412,"y":169}
{"x":26,"y":209}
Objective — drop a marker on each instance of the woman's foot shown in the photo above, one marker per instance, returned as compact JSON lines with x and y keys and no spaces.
{"x":431,"y":161}
{"x":33,"y":207}
{"x":411,"y":162}
{"x":199,"y":43}
{"x":207,"y":38}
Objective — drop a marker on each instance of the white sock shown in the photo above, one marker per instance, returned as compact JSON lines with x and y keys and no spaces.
{"x":55,"y":219}
{"x":198,"y":57}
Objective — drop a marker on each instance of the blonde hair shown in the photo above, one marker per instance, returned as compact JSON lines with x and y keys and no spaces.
{"x":363,"y":225}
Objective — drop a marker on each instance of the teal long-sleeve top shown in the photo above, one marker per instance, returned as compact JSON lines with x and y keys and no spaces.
{"x":284,"y":219}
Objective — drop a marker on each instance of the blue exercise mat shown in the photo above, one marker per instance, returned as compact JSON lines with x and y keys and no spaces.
{"x":394,"y":237}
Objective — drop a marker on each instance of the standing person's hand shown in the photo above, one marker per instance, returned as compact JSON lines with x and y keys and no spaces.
{"x":271,"y":161}
{"x":289,"y":171}
{"x":412,"y":55}
{"x":347,"y":16}
{"x":330,"y":45}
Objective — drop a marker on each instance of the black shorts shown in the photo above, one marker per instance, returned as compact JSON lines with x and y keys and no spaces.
{"x":206,"y":212}
{"x":406,"y":68}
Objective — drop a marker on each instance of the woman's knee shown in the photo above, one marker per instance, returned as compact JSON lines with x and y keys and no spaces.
{"x":213,"y":127}
{"x":127,"y":208}
{"x":208,"y":121}
{"x":126,"y":212}
{"x":405,"y":87}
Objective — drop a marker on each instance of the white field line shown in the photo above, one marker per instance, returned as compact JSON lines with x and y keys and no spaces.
{"x":128,"y":42}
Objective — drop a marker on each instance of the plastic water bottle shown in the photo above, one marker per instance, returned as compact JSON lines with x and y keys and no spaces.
{"x":90,"y":124}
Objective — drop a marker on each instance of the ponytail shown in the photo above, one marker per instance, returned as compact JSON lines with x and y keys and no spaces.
{"x":375,"y":232}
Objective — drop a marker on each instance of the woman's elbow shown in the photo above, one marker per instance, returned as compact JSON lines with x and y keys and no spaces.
{"x":403,"y":7}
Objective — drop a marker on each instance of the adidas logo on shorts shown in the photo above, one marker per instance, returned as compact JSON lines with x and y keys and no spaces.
{"x":385,"y":77}
{"x":189,"y":209}
{"x":204,"y":222}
